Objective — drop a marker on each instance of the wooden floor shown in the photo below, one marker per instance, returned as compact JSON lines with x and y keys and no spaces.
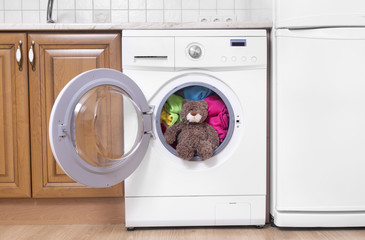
{"x":111,"y":232}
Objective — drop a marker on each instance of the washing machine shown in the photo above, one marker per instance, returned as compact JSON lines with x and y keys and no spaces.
{"x":106,"y":126}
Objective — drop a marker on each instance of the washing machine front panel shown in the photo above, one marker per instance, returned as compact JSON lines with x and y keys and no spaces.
{"x":98,"y":127}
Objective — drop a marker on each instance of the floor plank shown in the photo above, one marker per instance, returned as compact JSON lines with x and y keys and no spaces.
{"x":114,"y":232}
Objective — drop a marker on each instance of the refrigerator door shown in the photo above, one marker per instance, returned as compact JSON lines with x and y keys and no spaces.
{"x":319,"y":159}
{"x":318,"y":13}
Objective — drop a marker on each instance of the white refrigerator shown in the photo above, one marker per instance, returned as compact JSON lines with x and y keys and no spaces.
{"x":318,"y":113}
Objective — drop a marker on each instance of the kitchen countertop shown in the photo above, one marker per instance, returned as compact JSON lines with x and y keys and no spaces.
{"x":120,"y":26}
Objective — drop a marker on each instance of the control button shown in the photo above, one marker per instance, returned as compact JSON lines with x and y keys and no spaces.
{"x":223,"y":59}
{"x":254,"y":59}
{"x":233,"y":59}
{"x":244,"y":59}
{"x":195,"y":51}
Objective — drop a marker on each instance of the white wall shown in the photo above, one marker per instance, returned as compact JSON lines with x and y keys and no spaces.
{"x":119,"y":11}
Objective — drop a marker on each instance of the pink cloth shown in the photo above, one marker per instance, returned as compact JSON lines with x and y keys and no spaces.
{"x":218,"y":116}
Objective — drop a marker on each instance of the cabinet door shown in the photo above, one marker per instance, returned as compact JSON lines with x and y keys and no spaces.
{"x":14,"y":118}
{"x":58,"y":58}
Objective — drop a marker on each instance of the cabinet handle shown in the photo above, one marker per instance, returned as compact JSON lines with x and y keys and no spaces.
{"x":18,"y":55}
{"x":31,"y":56}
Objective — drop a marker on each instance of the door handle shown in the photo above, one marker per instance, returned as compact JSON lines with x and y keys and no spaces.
{"x":31,"y":56}
{"x":18,"y":55}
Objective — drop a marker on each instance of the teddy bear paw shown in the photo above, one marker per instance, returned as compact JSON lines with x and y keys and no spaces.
{"x":169,"y":139}
{"x":205,"y":150}
{"x":185,"y":152}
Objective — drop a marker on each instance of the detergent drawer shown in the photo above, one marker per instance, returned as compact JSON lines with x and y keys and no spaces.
{"x":148,"y":53}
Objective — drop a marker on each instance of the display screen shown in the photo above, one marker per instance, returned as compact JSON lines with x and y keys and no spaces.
{"x":238,"y":42}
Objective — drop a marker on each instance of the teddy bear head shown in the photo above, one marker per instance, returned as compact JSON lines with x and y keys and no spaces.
{"x":194,"y":111}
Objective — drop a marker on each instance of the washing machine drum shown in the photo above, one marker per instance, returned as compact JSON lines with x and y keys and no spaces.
{"x":219,"y":112}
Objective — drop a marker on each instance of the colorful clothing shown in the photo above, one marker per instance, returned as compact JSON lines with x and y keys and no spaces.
{"x":166,"y":117}
{"x":173,"y":107}
{"x":196,"y":93}
{"x":218,"y":116}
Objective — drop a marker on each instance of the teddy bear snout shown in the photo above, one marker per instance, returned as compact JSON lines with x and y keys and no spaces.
{"x":193,"y":118}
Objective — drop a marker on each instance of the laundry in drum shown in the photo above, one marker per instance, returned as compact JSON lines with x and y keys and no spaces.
{"x":217,"y":112}
{"x":194,"y":136}
{"x":173,"y":108}
{"x":196,"y":93}
{"x":218,"y":116}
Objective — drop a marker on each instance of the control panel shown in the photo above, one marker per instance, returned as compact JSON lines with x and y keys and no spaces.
{"x":209,"y":52}
{"x":182,"y":49}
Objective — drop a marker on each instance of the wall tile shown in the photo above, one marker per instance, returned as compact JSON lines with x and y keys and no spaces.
{"x":225,"y":4}
{"x":155,"y":4}
{"x":101,"y":16}
{"x":66,"y":4}
{"x":137,"y":15}
{"x":260,"y":15}
{"x":172,"y":4}
{"x":172,"y":16}
{"x":66,"y":16}
{"x":137,"y":4}
{"x":12,"y":5}
{"x":119,"y":16}
{"x":189,"y":15}
{"x":119,"y":4}
{"x":13,"y":17}
{"x":1,"y":16}
{"x":30,"y":5}
{"x":243,"y":15}
{"x":208,"y":4}
{"x":102,"y":11}
{"x":259,"y":4}
{"x":190,"y":4}
{"x":43,"y":16}
{"x":84,"y":5}
{"x":242,"y":4}
{"x":225,"y":12}
{"x":44,"y":3}
{"x":155,"y":16}
{"x":101,"y":4}
{"x":30,"y":16}
{"x":203,"y":12}
{"x":84,"y":16}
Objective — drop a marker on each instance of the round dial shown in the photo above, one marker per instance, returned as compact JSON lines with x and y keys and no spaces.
{"x":195,"y":51}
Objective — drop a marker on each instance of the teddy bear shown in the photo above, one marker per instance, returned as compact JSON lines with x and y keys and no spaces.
{"x":193,"y":134}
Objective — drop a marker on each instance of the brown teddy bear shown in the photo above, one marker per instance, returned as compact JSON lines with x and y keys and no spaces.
{"x":193,"y":134}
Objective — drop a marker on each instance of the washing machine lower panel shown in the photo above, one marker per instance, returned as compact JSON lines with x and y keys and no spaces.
{"x":195,"y":211}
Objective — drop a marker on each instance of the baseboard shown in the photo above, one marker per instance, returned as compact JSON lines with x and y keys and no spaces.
{"x":62,"y":211}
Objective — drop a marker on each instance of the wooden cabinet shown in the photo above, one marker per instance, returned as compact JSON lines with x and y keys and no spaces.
{"x":58,"y":58}
{"x":14,"y":119}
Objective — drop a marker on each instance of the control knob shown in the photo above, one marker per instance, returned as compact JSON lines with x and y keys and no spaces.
{"x":195,"y":51}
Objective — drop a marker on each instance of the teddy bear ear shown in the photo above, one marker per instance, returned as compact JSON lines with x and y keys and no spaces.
{"x":185,"y":101}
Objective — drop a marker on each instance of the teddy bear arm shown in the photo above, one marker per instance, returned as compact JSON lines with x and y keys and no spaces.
{"x":172,"y":132}
{"x":212,"y":136}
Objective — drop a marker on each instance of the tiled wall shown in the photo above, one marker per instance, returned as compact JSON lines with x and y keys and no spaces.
{"x":119,"y":11}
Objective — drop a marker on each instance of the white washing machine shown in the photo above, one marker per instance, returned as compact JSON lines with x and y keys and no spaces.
{"x":106,"y":127}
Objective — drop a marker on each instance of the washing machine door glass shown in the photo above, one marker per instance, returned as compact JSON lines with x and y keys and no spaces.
{"x":99,"y":127}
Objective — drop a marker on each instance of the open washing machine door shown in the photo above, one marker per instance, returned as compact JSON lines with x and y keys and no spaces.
{"x":100,"y":127}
